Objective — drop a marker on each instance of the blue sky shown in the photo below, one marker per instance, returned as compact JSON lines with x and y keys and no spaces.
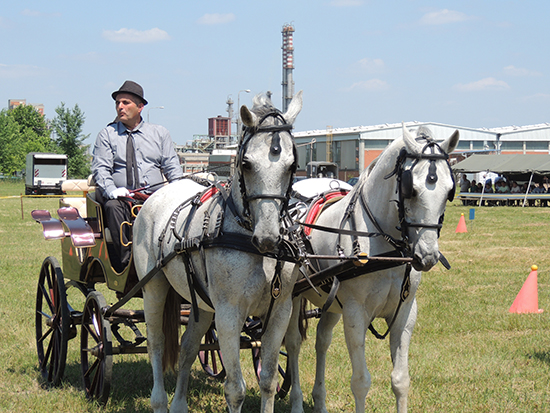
{"x":482,"y":63}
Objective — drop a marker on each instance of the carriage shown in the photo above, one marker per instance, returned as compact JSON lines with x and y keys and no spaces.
{"x":259,"y":203}
{"x":85,"y":245}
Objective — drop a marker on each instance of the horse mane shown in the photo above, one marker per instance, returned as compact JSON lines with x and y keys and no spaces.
{"x":262,"y":105}
{"x":423,"y":132}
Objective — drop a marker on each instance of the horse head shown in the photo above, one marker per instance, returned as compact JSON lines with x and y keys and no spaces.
{"x":425,"y":182}
{"x":266,"y":163}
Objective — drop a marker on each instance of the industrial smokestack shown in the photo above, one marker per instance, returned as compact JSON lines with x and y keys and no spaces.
{"x":288,"y":65}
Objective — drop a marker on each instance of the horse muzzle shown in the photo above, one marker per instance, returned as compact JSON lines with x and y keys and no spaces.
{"x":266,"y":244}
{"x":425,"y":255}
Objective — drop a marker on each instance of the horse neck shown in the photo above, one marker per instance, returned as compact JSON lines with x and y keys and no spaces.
{"x":379,"y":194}
{"x":236,"y":198}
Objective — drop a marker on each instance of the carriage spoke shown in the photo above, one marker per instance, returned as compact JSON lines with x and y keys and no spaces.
{"x":47,"y":297}
{"x":45,"y":335}
{"x":92,"y":332}
{"x":95,"y":349}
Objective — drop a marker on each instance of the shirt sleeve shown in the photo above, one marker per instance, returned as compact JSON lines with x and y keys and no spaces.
{"x":103,"y":162}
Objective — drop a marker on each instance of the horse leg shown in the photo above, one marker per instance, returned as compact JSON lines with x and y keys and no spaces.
{"x":190,"y":343}
{"x":400,"y":338}
{"x":293,"y":343}
{"x":154,"y":297}
{"x":322,"y":343}
{"x":229,"y":325}
{"x":271,"y":346}
{"x":355,"y":329}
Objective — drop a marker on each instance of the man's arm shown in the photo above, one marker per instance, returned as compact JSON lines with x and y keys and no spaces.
{"x":103,"y":163}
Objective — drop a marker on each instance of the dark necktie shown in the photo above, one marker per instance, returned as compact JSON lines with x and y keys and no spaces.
{"x":132,"y":175}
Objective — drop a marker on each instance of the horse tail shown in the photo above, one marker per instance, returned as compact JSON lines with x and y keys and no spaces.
{"x":303,"y":322}
{"x":171,"y":329}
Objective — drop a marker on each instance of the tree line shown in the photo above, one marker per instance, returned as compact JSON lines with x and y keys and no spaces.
{"x":23,"y":129}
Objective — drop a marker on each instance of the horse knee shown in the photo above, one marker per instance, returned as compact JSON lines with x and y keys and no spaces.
{"x":400,"y":382}
{"x":360,"y":384}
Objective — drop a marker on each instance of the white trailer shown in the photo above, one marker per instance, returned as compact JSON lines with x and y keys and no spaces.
{"x":45,"y":172}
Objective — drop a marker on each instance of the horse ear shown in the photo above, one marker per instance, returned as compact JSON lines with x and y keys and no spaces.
{"x":450,"y":143}
{"x":294,"y":108}
{"x":248,"y":118}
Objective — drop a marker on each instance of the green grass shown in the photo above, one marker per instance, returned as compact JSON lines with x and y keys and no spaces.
{"x":468,"y":354}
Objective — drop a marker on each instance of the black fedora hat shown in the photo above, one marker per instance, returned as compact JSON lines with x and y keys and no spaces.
{"x":132,"y":88}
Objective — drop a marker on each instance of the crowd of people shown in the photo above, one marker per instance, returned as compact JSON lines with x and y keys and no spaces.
{"x":504,"y":186}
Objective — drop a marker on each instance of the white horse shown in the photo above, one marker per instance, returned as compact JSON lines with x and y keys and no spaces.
{"x":235,"y":283}
{"x":413,"y":172}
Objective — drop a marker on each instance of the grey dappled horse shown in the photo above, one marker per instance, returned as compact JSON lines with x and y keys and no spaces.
{"x":414,"y":172}
{"x":238,"y":283}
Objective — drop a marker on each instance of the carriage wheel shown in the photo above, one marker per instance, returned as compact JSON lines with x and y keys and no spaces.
{"x":96,"y":351}
{"x":211,"y":360}
{"x":52,"y":321}
{"x":283,"y":384}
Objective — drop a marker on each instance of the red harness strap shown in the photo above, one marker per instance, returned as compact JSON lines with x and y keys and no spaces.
{"x":317,"y":206}
{"x":209,"y":193}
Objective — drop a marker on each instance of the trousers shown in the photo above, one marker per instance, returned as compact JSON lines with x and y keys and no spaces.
{"x":117,"y":211}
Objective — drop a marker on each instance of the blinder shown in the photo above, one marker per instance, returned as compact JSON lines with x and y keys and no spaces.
{"x":406,"y":184}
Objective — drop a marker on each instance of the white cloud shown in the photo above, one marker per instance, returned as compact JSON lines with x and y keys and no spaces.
{"x":520,"y":71}
{"x":19,"y":71}
{"x":369,"y":85}
{"x":488,"y":83}
{"x":346,"y":3}
{"x":444,"y":16}
{"x":216,"y":18}
{"x":136,"y":36}
{"x":36,"y":13}
{"x":537,"y":97}
{"x":367,"y":65}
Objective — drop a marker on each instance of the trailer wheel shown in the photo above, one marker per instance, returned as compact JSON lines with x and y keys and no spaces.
{"x":284,"y":383}
{"x":211,"y":359}
{"x":253,"y":327}
{"x":96,"y":351}
{"x":52,"y":321}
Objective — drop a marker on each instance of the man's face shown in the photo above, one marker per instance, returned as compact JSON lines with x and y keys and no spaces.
{"x":128,"y":111}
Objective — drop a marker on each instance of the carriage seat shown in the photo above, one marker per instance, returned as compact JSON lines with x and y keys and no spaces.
{"x":77,"y":185}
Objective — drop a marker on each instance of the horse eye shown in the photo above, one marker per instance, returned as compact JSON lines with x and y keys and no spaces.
{"x":247,"y":166}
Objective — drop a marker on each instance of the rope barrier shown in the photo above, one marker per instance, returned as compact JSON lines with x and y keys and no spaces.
{"x":33,"y":196}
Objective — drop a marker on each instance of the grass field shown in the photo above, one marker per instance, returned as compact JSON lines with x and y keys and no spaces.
{"x":468,"y":354}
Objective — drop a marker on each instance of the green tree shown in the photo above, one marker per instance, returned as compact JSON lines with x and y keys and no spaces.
{"x":67,"y":128}
{"x":22,"y":130}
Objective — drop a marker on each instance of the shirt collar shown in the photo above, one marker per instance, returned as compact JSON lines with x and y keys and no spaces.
{"x":123,"y":129}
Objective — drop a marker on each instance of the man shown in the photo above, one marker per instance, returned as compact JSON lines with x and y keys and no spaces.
{"x":129,"y":154}
{"x":464,"y":186}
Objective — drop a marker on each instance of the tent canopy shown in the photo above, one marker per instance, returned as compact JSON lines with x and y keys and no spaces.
{"x":518,"y":167}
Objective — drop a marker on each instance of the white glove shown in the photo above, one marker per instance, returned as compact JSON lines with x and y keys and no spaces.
{"x":119,"y":192}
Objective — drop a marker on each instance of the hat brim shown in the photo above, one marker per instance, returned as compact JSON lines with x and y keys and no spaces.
{"x":115,"y":94}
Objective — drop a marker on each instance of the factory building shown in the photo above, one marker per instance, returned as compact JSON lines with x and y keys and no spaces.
{"x":353,"y":149}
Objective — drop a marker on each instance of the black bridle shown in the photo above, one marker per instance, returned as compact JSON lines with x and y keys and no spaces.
{"x":405,"y":188}
{"x":275,"y":149}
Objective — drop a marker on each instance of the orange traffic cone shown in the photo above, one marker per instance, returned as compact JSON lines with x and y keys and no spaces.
{"x":527,"y":300}
{"x":461,"y":227}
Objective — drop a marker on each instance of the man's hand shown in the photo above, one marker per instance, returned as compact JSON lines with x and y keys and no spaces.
{"x":119,"y":192}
